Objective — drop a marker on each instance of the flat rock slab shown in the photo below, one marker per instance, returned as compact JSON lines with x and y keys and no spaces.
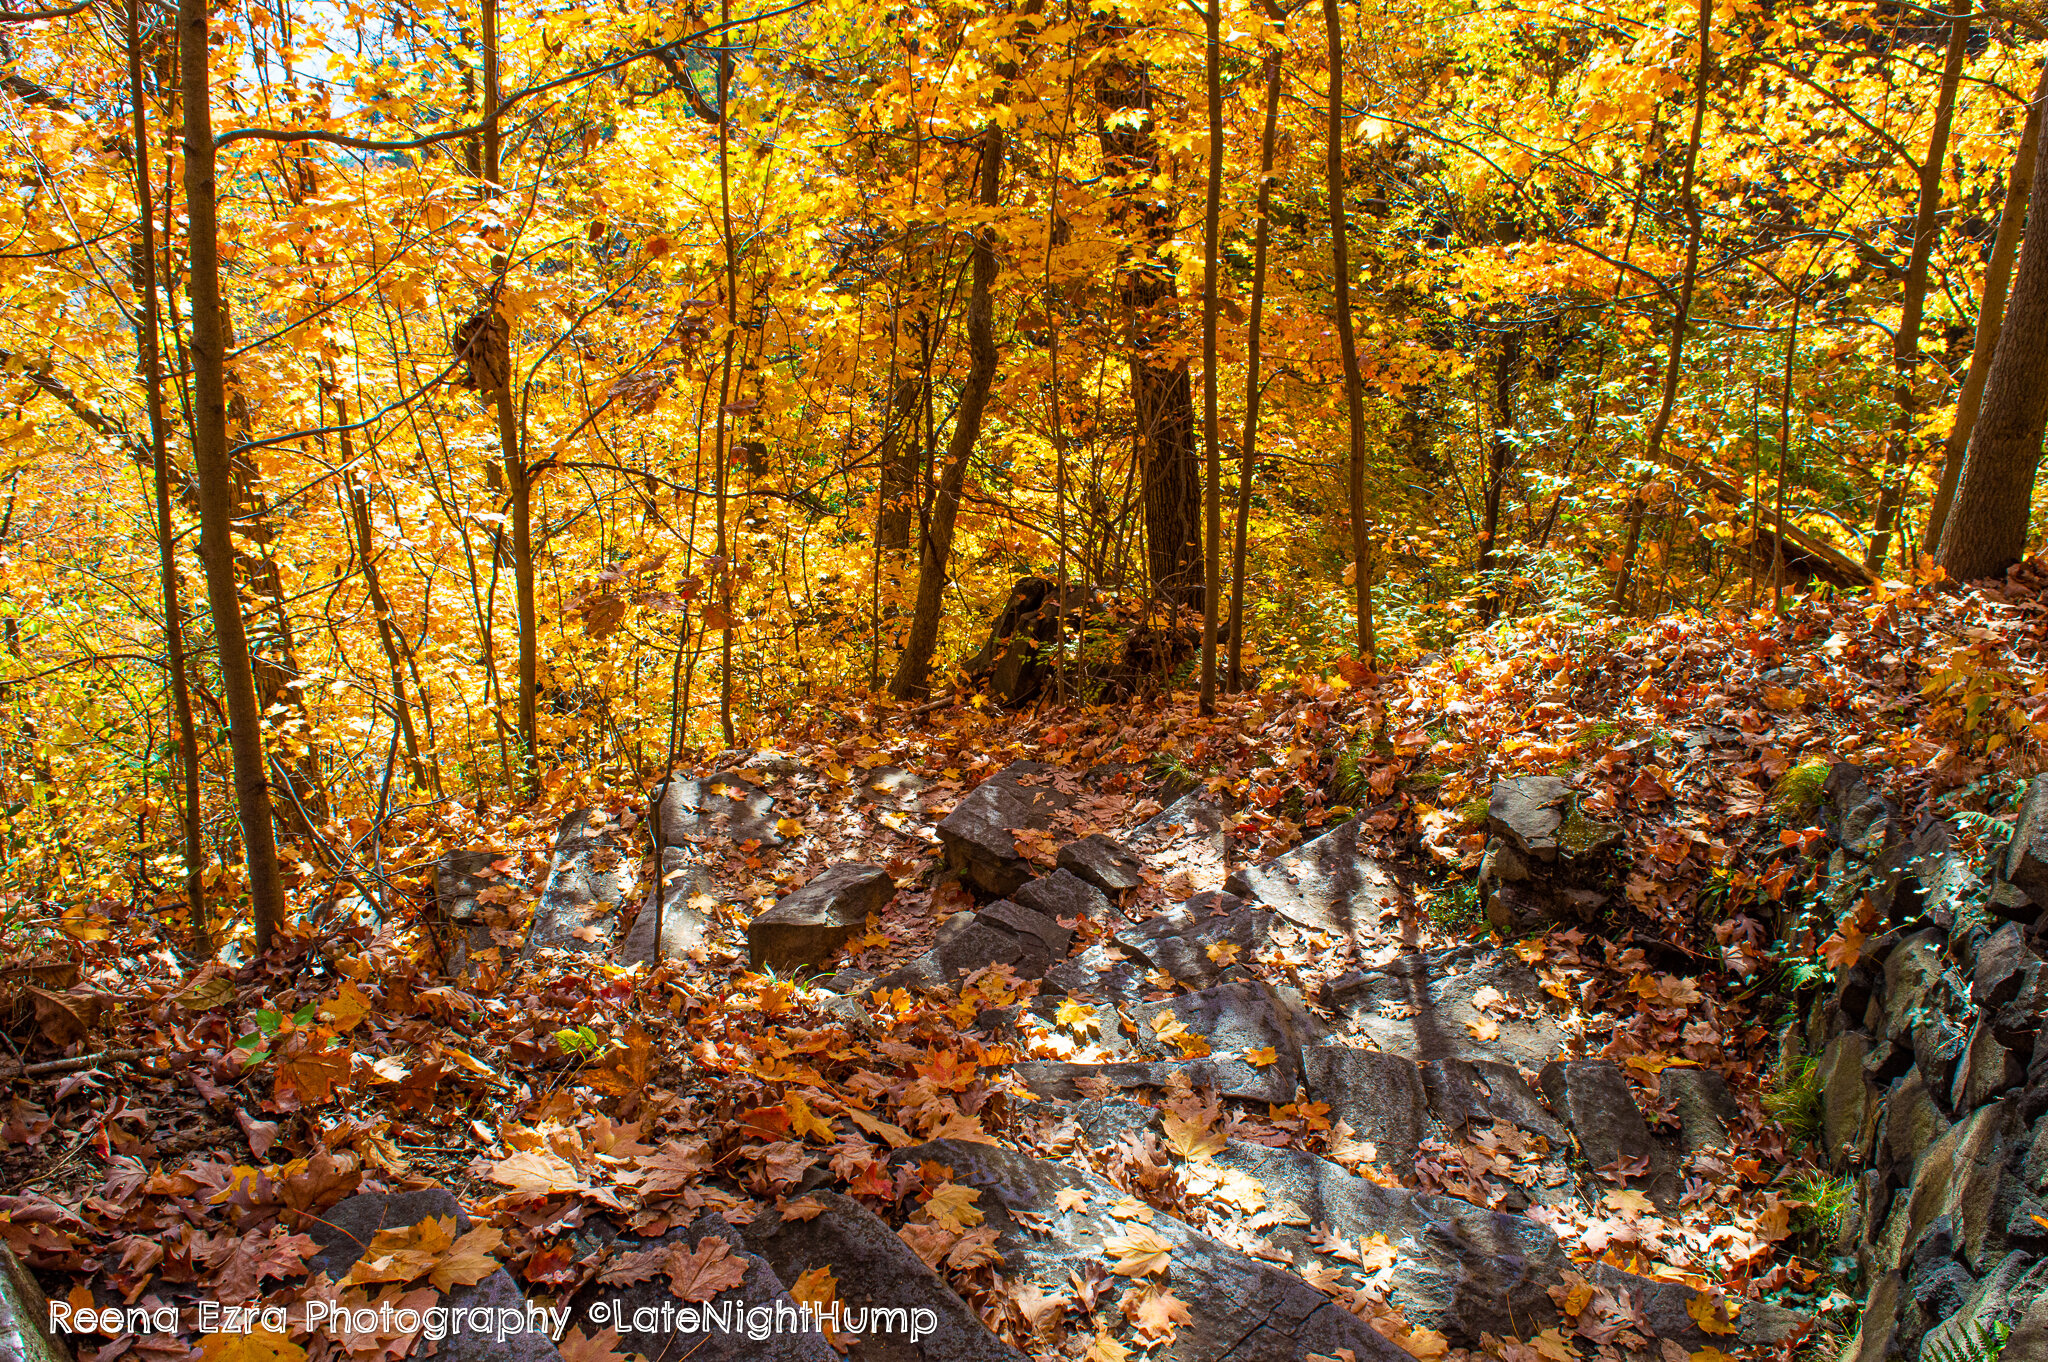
{"x":1595,"y":1101}
{"x":1239,"y":1308}
{"x":1063,"y":895}
{"x":1380,"y":1096}
{"x":725,"y":805}
{"x":1663,"y":1306}
{"x":460,"y":877}
{"x":1328,"y":885}
{"x":977,"y":833}
{"x":1537,"y":817}
{"x":892,"y":787}
{"x":809,"y":926}
{"x":1237,"y":1020}
{"x":1191,"y":835}
{"x":626,"y":1308}
{"x":1426,"y":1006}
{"x":593,"y":872}
{"x":873,"y":1269}
{"x":1103,"y":973}
{"x":344,"y":1232}
{"x":1462,"y":1269}
{"x":1104,"y":862}
{"x":669,"y":914}
{"x":1196,"y":943}
{"x":1000,"y":933}
{"x":1069,"y":1081}
{"x":1464,"y":1093}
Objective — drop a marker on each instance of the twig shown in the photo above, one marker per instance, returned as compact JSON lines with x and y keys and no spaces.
{"x":78,"y":1062}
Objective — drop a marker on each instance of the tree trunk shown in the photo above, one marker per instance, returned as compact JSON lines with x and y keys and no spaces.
{"x":898,"y":492}
{"x":1903,"y":457}
{"x":732,"y":321}
{"x":1248,"y":451}
{"x":1654,"y":445}
{"x":1170,"y":473}
{"x":1212,"y":586}
{"x":914,"y":666}
{"x":1986,"y":531}
{"x":1347,"y":339}
{"x":214,"y":474}
{"x":1990,"y":312}
{"x":1500,"y":452}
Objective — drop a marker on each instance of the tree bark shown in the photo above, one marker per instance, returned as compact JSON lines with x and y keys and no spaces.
{"x":732,"y":322}
{"x":1347,"y":338}
{"x":898,"y":491}
{"x":1212,"y":18}
{"x":1500,"y":452}
{"x":1170,"y":473}
{"x":1682,"y":315}
{"x":1990,"y":312}
{"x":1903,"y":457}
{"x":149,"y":351}
{"x":913,"y":667}
{"x":1986,"y":531}
{"x":214,"y":474}
{"x":1247,"y":455}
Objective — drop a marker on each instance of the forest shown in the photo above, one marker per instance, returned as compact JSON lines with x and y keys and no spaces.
{"x":741,"y":612}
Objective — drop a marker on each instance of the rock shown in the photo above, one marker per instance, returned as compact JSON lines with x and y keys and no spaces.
{"x":1001,"y":933}
{"x":1103,"y":973}
{"x":1104,"y":862}
{"x":727,"y":806}
{"x":1878,"y":1326}
{"x":809,"y":926}
{"x":1327,"y":885}
{"x":2030,"y":1336}
{"x":1536,"y":816}
{"x":1936,"y":1282}
{"x":1663,"y":1304}
{"x":1958,"y":1177}
{"x":1947,"y":884}
{"x":627,"y":1307}
{"x":2004,"y":964}
{"x":1423,"y":1005}
{"x":1461,"y":1269}
{"x":1063,"y":895}
{"x":1191,"y":835}
{"x":24,"y":1316}
{"x":1847,"y":1103}
{"x":1239,"y":1308}
{"x":1179,"y":943}
{"x":460,"y":879}
{"x":1912,"y":1122}
{"x":1380,"y":1096}
{"x":892,"y":785}
{"x":1545,"y":861}
{"x":1069,"y":1081}
{"x":1594,"y":1100}
{"x":1465,"y":1092}
{"x":593,"y":873}
{"x":1707,"y":1110}
{"x":2002,"y":1298}
{"x":668,"y":912}
{"x":1986,"y":1070}
{"x":1858,"y":817}
{"x":1911,"y":971}
{"x":874,"y":1270}
{"x":2026,"y":854}
{"x":344,"y":1232}
{"x":977,"y":833}
{"x":1235,"y":1019}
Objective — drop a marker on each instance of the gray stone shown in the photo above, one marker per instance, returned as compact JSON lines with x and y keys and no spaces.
{"x":1948,"y":883}
{"x":893,"y":786}
{"x":1178,"y":942}
{"x":1190,"y":833}
{"x":1328,"y":885}
{"x":1662,"y":1306}
{"x":1102,"y":973}
{"x":977,"y":833}
{"x":1847,"y":1102}
{"x":1987,"y":1068}
{"x":668,"y":913}
{"x":1240,"y":1309}
{"x":2029,"y":1341}
{"x":874,"y":1269}
{"x":1878,"y":1326}
{"x":1536,"y":816}
{"x":1065,"y":895}
{"x":1707,"y":1110}
{"x":1104,"y":862}
{"x":725,"y":806}
{"x":1462,"y":1270}
{"x":1235,"y":1019}
{"x":761,"y":1288}
{"x":1858,"y":816}
{"x":1911,"y":972}
{"x":593,"y":872}
{"x":2004,"y":963}
{"x":1958,"y":1178}
{"x":1912,"y":1122}
{"x":2026,"y":855}
{"x":1465,"y":1092}
{"x":1068,"y":1081}
{"x":25,"y":1315}
{"x":1594,"y":1100}
{"x":1002,"y":933}
{"x":1380,"y":1096}
{"x":460,"y":877}
{"x":2000,"y":1299}
{"x":344,"y":1232}
{"x":809,"y":926}
{"x":1421,"y":1005}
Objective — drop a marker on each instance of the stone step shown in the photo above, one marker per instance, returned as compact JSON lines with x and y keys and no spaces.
{"x":977,"y":833}
{"x":1328,"y":885}
{"x":1427,"y":1005}
{"x":727,"y":805}
{"x":593,"y":872}
{"x":460,"y":880}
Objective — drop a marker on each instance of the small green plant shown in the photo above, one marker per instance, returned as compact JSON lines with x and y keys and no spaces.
{"x":1797,"y":792}
{"x":1974,"y":1341}
{"x":1795,"y":1101}
{"x":1472,"y":813}
{"x":1349,"y":783}
{"x":580,"y":1040}
{"x":1822,"y":1200}
{"x":1454,"y":907}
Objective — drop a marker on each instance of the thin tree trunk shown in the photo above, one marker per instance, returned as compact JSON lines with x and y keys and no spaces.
{"x":1347,"y":339}
{"x":1784,"y":459}
{"x":380,"y":604}
{"x":732,"y":321}
{"x":1500,"y":452}
{"x":213,"y":471}
{"x":914,"y":666}
{"x":1903,"y":457}
{"x":898,"y":481}
{"x":1990,"y":312}
{"x":1212,"y":585}
{"x":1654,"y":445}
{"x":150,"y":350}
{"x":1986,"y":531}
{"x":1247,"y":455}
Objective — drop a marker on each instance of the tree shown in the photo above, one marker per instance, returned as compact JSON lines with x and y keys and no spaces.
{"x":1347,"y":338}
{"x":1212,"y":586}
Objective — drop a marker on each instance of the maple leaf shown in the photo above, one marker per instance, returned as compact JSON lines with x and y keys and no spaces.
{"x":1070,"y":1199}
{"x":1483,"y":1028}
{"x":699,"y":1274}
{"x":805,"y":1122}
{"x":804,"y":1207}
{"x":1191,"y":1140}
{"x":1104,"y":1348}
{"x":1712,"y":1312}
{"x":818,"y":1288}
{"x":1554,"y":1346}
{"x":928,"y":1241}
{"x":403,"y":1254}
{"x":1262,"y":1059}
{"x":257,"y":1345}
{"x":604,"y":1346}
{"x":670,"y":1168}
{"x":1074,"y":1014}
{"x":977,"y":1248}
{"x":537,"y":1172}
{"x":468,"y":1261}
{"x":346,"y":1010}
{"x":1139,"y":1253}
{"x":1628,"y":1202}
{"x":952,"y":1206}
{"x":1223,"y":953}
{"x":1156,"y":1313}
{"x":1844,"y":948}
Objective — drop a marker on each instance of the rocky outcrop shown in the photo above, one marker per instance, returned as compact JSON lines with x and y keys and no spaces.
{"x":1545,"y":860}
{"x":977,"y":834}
{"x":809,"y":926}
{"x":592,"y":874}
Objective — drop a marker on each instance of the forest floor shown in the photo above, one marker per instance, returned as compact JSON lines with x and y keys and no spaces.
{"x":233,"y":1108}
